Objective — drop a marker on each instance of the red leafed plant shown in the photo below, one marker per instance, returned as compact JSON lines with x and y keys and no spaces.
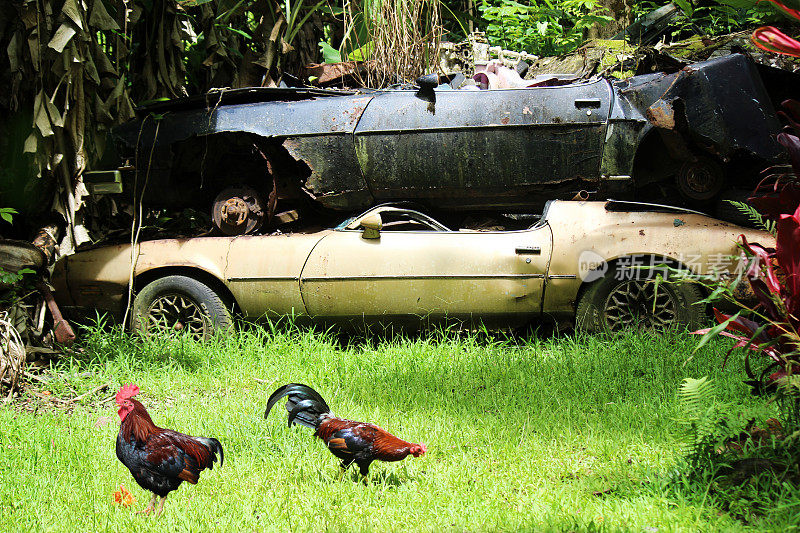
{"x":779,"y":192}
{"x":772,"y":39}
{"x":772,"y":327}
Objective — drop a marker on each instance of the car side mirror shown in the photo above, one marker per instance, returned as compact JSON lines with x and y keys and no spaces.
{"x":372,"y":225}
{"x":427,"y":84}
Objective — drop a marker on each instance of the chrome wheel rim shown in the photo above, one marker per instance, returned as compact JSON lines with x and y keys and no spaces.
{"x":640,"y":304}
{"x":174,"y":313}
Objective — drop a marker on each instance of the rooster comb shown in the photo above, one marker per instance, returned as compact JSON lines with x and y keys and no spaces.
{"x":127,"y":391}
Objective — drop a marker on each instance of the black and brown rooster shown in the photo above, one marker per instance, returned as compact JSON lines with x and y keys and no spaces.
{"x":350,"y":441}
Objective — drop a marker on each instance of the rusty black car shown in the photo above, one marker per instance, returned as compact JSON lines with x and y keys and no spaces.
{"x":276,"y":154}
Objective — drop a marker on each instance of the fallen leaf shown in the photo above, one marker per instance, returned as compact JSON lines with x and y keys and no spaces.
{"x":123,"y":497}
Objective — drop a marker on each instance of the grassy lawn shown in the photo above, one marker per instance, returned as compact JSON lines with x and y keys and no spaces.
{"x":556,"y":434}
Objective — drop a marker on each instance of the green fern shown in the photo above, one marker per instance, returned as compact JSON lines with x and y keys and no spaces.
{"x":698,"y":402}
{"x":788,"y":398}
{"x":696,"y":394}
{"x":755,"y":217}
{"x":702,"y":422}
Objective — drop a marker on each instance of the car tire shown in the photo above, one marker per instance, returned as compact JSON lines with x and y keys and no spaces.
{"x":617,"y":302}
{"x":176,"y":303}
{"x":701,"y":180}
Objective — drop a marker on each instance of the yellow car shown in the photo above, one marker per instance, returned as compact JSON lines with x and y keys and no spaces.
{"x":594,"y":262}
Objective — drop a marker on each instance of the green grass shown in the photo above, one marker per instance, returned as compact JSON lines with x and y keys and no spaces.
{"x":564,"y":433}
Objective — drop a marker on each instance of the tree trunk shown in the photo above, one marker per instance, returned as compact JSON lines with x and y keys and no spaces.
{"x":622,"y":13}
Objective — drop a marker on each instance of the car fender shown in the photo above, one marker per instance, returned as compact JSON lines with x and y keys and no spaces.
{"x":587,"y":238}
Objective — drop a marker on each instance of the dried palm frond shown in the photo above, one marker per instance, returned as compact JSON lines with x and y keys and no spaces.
{"x":401,"y":38}
{"x":12,"y":355}
{"x":73,"y":68}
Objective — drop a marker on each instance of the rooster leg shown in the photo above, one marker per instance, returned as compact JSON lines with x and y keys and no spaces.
{"x":344,"y":465}
{"x":161,"y":505}
{"x":364,"y":468}
{"x":150,"y":506}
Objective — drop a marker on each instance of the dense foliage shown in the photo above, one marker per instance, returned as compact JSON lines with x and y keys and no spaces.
{"x":768,"y":332}
{"x":543,"y":27}
{"x":771,"y":328}
{"x":546,"y":27}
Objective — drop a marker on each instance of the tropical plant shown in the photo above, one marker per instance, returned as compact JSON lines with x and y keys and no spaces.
{"x":727,"y":16}
{"x":542,"y":27}
{"x":779,"y":192}
{"x":7,"y":214}
{"x":756,"y":218}
{"x":772,"y":39}
{"x":398,"y":40}
{"x":12,"y":278}
{"x":61,"y":75}
{"x":772,"y":327}
{"x":699,"y":418}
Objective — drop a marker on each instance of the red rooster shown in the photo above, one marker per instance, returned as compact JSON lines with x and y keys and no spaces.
{"x":352,"y":442}
{"x":159,"y":459}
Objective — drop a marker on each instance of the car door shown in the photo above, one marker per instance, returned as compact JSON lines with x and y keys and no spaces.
{"x":417,"y":272}
{"x":263,"y":272}
{"x":479,"y":148}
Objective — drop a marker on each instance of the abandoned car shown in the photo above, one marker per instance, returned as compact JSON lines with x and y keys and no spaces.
{"x":265,"y":157}
{"x":589,"y":261}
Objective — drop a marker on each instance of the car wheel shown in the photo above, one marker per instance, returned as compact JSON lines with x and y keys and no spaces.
{"x":179,"y":303}
{"x":699,"y":181}
{"x":626,"y":300}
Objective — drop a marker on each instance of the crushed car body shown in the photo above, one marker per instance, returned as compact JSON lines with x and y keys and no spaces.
{"x":685,"y":136}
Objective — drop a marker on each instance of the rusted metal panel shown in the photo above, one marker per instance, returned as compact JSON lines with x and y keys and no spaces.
{"x":626,"y":128}
{"x":661,"y":114}
{"x":482,"y":148}
{"x":720,"y":106}
{"x":316,"y":116}
{"x":335,"y":180}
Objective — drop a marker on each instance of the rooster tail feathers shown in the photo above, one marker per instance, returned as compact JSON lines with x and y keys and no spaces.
{"x":215,"y":447}
{"x":300,"y":390}
{"x":305,"y":405}
{"x":303,"y":413}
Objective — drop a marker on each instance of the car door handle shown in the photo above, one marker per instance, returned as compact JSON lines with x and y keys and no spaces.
{"x":529,"y":250}
{"x":587,"y":102}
